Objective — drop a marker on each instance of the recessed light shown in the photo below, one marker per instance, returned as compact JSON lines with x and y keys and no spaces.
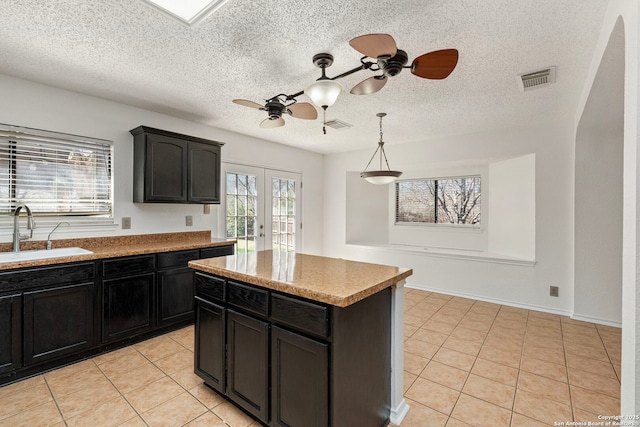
{"x":188,"y":11}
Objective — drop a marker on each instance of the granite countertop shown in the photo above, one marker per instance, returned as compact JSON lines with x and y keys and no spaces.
{"x":329,"y":280}
{"x":117,"y":246}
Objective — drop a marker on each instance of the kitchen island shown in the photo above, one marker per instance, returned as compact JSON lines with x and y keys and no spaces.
{"x":302,"y":340}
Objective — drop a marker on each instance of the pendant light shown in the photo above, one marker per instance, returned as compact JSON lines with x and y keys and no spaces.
{"x":381,"y":176}
{"x":324,"y":91}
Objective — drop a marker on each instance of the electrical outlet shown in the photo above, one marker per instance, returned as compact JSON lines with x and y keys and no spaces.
{"x":126,"y":223}
{"x":553,"y":291}
{"x":189,"y":221}
{"x":207,"y":209}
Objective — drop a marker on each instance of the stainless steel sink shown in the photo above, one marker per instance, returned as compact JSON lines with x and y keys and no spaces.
{"x":41,"y":254}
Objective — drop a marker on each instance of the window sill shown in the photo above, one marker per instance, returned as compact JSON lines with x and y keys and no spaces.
{"x":460,"y":254}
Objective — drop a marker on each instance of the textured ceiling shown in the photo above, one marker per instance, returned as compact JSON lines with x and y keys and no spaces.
{"x":130,"y":52}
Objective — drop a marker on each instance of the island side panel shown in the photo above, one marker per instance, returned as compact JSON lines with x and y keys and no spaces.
{"x":399,"y":406}
{"x":361,"y":362}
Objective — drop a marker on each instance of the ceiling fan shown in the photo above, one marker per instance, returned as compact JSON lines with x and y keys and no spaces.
{"x":277,"y":106}
{"x":436,"y":65}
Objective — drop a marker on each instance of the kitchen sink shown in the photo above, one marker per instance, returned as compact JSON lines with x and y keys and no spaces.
{"x":41,"y":254}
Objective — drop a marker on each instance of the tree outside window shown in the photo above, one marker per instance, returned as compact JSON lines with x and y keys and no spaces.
{"x":454,"y":200}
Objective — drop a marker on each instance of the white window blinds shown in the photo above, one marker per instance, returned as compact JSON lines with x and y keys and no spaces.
{"x":54,"y":174}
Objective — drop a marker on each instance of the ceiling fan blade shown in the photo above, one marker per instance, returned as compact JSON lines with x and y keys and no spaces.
{"x":374,"y":45}
{"x":369,"y":86}
{"x":268,"y":123}
{"x":248,"y":103}
{"x":435,"y":65}
{"x":303,"y":110}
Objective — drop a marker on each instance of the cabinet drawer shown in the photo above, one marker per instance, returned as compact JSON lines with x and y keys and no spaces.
{"x":302,"y":315}
{"x":210,"y":287}
{"x":248,"y":297}
{"x":216,"y":252}
{"x":176,"y":259}
{"x":41,"y":277}
{"x":128,"y":265}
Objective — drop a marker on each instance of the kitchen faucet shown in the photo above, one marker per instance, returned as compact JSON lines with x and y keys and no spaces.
{"x":31,"y":225}
{"x":49,"y":244}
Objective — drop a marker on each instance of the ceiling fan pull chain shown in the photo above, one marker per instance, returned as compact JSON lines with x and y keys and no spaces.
{"x":324,"y":118}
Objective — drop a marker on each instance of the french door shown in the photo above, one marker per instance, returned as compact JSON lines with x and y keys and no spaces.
{"x":261,"y":208}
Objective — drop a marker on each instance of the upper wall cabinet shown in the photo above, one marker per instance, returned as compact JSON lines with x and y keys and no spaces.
{"x":174,"y":168}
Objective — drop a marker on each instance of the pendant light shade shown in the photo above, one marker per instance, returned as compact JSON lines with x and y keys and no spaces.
{"x":381,"y":176}
{"x":323,"y":92}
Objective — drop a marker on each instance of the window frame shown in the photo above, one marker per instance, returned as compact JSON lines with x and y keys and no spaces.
{"x":395,"y":198}
{"x":14,"y":134}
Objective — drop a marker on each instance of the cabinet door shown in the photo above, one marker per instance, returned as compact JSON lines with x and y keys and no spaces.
{"x":247,"y":363}
{"x":204,"y":173}
{"x":10,"y":333}
{"x":58,"y":321}
{"x":127,"y":306}
{"x":175,"y":295}
{"x":165,"y":169}
{"x":210,"y":344}
{"x":299,"y":380}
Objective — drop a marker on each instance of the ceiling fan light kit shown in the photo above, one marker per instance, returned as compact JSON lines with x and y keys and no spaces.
{"x":381,"y":176}
{"x":324,"y":91}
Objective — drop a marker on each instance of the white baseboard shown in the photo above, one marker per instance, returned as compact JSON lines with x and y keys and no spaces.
{"x":596,"y":320}
{"x":399,"y":412}
{"x":518,"y":305}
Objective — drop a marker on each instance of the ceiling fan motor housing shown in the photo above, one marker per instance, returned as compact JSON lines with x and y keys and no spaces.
{"x":274,"y":108}
{"x":392,"y":66}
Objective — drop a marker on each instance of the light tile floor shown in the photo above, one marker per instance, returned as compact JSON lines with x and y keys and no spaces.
{"x":474,"y":363}
{"x":467,"y":362}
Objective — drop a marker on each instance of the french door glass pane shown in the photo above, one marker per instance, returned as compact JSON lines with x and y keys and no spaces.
{"x":241,"y":210}
{"x":283,"y":214}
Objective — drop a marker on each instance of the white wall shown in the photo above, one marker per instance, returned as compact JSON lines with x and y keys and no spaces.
{"x":552,"y":146}
{"x":43,"y":107}
{"x":623,"y":16}
{"x":512,"y":207}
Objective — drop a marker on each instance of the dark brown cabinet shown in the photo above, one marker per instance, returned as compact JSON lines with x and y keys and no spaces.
{"x":58,"y":322}
{"x":248,"y":363}
{"x":291,"y":361}
{"x":55,"y":315}
{"x":299,"y":380}
{"x":128,"y":292}
{"x":175,"y":168}
{"x":10,"y":332}
{"x":175,"y":287}
{"x":210,"y":346}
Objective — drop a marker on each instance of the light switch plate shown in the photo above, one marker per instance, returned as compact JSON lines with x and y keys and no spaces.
{"x":126,"y":223}
{"x":189,"y":221}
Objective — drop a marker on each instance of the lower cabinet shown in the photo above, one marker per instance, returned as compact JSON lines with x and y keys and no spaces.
{"x":127,"y":306}
{"x":299,"y":380}
{"x":58,"y":321}
{"x":294,"y":362}
{"x":248,"y":363}
{"x":175,"y":296}
{"x":210,"y":344}
{"x":10,"y":333}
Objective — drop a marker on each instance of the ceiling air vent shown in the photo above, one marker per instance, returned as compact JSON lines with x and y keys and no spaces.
{"x":537,"y":79}
{"x":337,"y":124}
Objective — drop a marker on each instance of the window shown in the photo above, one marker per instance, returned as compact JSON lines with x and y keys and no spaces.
{"x":283,"y":201}
{"x":454,"y":200}
{"x":54,"y":174}
{"x":242,"y":196}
